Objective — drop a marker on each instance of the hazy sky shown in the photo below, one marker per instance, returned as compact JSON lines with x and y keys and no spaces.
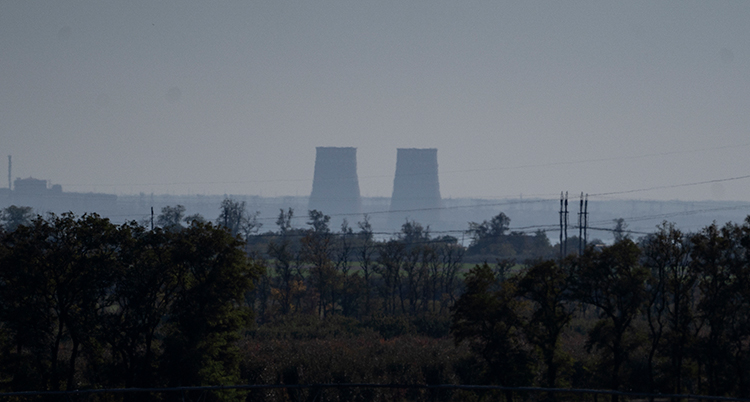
{"x":519,"y":97}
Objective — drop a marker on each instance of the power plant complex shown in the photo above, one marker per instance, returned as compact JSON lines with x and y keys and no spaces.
{"x":416,"y":187}
{"x":336,"y":192}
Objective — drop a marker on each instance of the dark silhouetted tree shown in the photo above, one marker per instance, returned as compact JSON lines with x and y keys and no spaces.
{"x":204,"y":323}
{"x":54,"y":283}
{"x":547,"y":286}
{"x":613,"y":281}
{"x":487,"y":316}
{"x":143,"y":294}
{"x":670,"y":310}
{"x":721,"y":259}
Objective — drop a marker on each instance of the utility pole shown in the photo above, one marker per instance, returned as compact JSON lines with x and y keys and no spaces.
{"x":580,"y":226}
{"x":566,"y":223}
{"x":561,"y":227}
{"x":152,"y":218}
{"x":585,"y":219}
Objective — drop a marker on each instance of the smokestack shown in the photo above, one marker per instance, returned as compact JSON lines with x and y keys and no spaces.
{"x":416,"y":188}
{"x":335,"y":187}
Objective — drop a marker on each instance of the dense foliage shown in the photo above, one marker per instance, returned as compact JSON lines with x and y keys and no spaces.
{"x":85,"y":303}
{"x":668,"y":315}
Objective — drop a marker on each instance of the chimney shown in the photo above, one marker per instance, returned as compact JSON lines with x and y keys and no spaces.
{"x":335,"y":187}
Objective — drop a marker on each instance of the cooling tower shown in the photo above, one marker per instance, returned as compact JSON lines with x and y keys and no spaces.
{"x":416,"y":189}
{"x":335,"y":187}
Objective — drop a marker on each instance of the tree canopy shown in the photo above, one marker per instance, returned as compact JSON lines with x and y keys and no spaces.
{"x":146,"y":308}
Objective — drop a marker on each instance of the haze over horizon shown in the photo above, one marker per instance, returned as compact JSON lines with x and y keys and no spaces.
{"x":530,"y":98}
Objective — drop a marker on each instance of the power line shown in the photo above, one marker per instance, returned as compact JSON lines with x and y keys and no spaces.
{"x":401,"y":211}
{"x":697,"y":183}
{"x":680,"y":213}
{"x":550,"y":228}
{"x":498,"y":168}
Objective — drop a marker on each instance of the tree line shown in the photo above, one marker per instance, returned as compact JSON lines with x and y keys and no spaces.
{"x":668,"y":314}
{"x":86,"y":303}
{"x":321,"y":271}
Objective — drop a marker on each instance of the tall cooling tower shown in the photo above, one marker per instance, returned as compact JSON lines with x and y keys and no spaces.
{"x":416,"y":188}
{"x":335,"y":185}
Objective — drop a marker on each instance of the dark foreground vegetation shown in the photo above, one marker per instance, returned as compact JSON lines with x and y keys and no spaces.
{"x":85,"y":303}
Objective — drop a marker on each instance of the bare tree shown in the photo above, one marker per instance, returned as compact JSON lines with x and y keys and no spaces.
{"x":390,"y":257}
{"x":318,"y":250}
{"x":237,"y":220}
{"x":232,"y":216}
{"x":344,"y":249}
{"x":620,"y":229}
{"x":451,"y":256}
{"x":367,"y":249}
{"x":284,"y":222}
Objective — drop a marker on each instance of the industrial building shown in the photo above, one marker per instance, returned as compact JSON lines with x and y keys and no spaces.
{"x":416,"y":187}
{"x":335,"y":189}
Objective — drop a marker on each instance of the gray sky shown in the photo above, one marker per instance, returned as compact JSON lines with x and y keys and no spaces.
{"x":519,"y":98}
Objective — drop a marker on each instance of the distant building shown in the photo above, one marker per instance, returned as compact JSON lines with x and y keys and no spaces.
{"x":416,"y":187}
{"x":335,"y":188}
{"x":30,"y":186}
{"x":35,"y":193}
